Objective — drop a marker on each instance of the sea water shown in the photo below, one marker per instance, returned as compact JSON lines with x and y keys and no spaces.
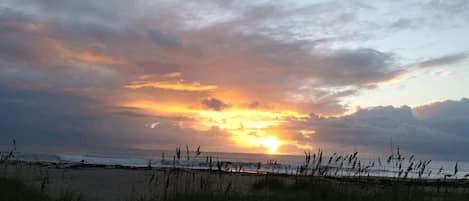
{"x":256,"y":163}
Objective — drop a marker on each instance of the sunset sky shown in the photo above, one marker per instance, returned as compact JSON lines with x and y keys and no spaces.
{"x":276,"y":77}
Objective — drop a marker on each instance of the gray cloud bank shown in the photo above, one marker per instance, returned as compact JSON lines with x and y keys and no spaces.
{"x":439,"y":130}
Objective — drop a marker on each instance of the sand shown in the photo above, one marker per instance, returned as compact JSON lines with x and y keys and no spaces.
{"x":116,"y":183}
{"x":120,"y":183}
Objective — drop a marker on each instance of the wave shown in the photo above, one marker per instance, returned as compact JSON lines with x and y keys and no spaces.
{"x":290,"y":165}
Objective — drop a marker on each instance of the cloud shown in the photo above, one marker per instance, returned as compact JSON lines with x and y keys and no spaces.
{"x":403,"y":23}
{"x":214,"y":104}
{"x":246,"y":62}
{"x":165,"y":40}
{"x":437,"y":130}
{"x":95,"y":58}
{"x":65,"y":68}
{"x":445,"y":60}
{"x":177,"y":86}
{"x":89,"y":11}
{"x":61,"y":120}
{"x":455,"y":7}
{"x":358,"y":67}
{"x":443,"y":110}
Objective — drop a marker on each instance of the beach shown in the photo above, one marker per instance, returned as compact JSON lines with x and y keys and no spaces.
{"x":120,"y":183}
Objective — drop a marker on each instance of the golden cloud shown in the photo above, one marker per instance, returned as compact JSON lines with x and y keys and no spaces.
{"x":170,"y":85}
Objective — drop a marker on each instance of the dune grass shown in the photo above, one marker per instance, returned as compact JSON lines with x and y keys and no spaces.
{"x":17,"y":190}
{"x":274,"y":189}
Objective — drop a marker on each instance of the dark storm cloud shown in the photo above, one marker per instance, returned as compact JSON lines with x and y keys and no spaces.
{"x":438,"y":129}
{"x":449,"y":110}
{"x":44,"y":117}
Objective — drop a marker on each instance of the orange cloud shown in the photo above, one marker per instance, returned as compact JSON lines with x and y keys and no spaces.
{"x":177,"y":86}
{"x":95,"y":58}
{"x":173,"y":75}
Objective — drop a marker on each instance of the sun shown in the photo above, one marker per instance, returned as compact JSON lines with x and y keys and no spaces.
{"x":271,"y":143}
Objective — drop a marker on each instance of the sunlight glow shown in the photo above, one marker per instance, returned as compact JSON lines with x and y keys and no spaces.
{"x":248,"y":127}
{"x":271,"y":143}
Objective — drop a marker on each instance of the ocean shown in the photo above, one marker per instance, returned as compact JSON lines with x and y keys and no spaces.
{"x":262,"y":163}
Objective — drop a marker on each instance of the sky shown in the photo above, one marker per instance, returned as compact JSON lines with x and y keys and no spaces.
{"x":274,"y":77}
